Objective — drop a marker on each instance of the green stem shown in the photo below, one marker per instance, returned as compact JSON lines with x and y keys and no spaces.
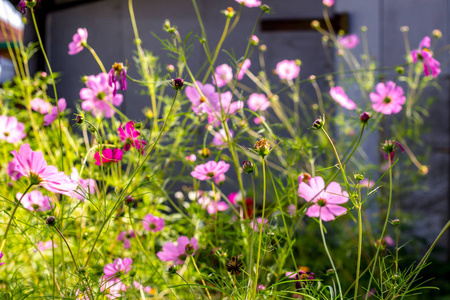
{"x":97,"y":59}
{"x":199,"y":274}
{"x":338,"y":159}
{"x":358,"y":265}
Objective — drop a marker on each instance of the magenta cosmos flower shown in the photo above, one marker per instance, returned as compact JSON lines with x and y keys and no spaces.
{"x":125,"y":237}
{"x":338,"y":95}
{"x":258,"y":102}
{"x":325,"y":201}
{"x":210,"y":170}
{"x":35,"y":201}
{"x":244,"y":66}
{"x":388,"y":98}
{"x":430,"y":65}
{"x":11,"y":130}
{"x":99,"y":97}
{"x":109,"y":156}
{"x":130,"y":137}
{"x":153,"y":223}
{"x":53,"y":115}
{"x":85,"y":186}
{"x":223,"y":75}
{"x":78,"y":41}
{"x":118,"y":267}
{"x":32,"y":164}
{"x":287,"y":69}
{"x":249,"y":3}
{"x":40,"y":105}
{"x":348,"y":41}
{"x":178,"y":254}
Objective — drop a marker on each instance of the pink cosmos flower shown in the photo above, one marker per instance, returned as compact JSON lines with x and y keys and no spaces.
{"x":98,"y":96}
{"x":287,"y":69}
{"x":366,"y":183}
{"x":207,"y":202}
{"x":291,"y":209}
{"x":118,"y":267}
{"x":79,"y":40}
{"x":191,"y":158}
{"x":200,"y":104}
{"x":430,"y":65}
{"x":223,"y":75}
{"x":35,"y":201}
{"x":112,"y":287}
{"x":178,"y":253}
{"x":259,"y":120}
{"x":53,"y":115}
{"x":220,"y":137}
{"x":85,"y":186}
{"x":220,"y":179}
{"x":222,"y":105}
{"x":130,"y":136}
{"x":1,"y":255}
{"x":348,"y":41}
{"x":42,"y":246}
{"x":261,"y":287}
{"x":109,"y":156}
{"x":328,"y":3}
{"x":325,"y":201}
{"x":117,"y":76}
{"x":40,"y":105}
{"x":11,"y":130}
{"x":12,"y":170}
{"x":243,"y":66}
{"x":210,"y":170}
{"x":338,"y":95}
{"x":32,"y":164}
{"x":153,"y":223}
{"x":125,"y":237}
{"x":258,"y":102}
{"x":249,"y":3}
{"x":388,"y":98}
{"x":256,"y":226}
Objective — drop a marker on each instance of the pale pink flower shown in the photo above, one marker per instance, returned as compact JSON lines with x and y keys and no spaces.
{"x":430,"y":65}
{"x":125,"y":237}
{"x":259,"y":120}
{"x":130,"y":137}
{"x":287,"y":69}
{"x":243,"y":67}
{"x":249,"y":3}
{"x":112,"y":287}
{"x":178,"y":254}
{"x":256,"y":226}
{"x":207,"y":202}
{"x":32,"y":164}
{"x":109,"y":156}
{"x":98,"y":96}
{"x":200,"y":104}
{"x":85,"y":186}
{"x":42,"y":246}
{"x":348,"y":41}
{"x":222,"y":105}
{"x":78,"y":41}
{"x":53,"y":115}
{"x":328,"y":3}
{"x":366,"y":183}
{"x":210,"y":170}
{"x":390,"y":241}
{"x":338,"y":95}
{"x":153,"y":223}
{"x":12,"y":170}
{"x":388,"y":98}
{"x":261,"y":287}
{"x":220,"y":137}
{"x":220,"y":179}
{"x":325,"y":201}
{"x":40,"y":105}
{"x":118,"y":267}
{"x":223,"y":75}
{"x":258,"y":102}
{"x":11,"y":130}
{"x":146,"y":289}
{"x":191,"y":158}
{"x":291,"y":210}
{"x":35,"y":201}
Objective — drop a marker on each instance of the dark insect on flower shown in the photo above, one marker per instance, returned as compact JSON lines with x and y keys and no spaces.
{"x":234,"y":266}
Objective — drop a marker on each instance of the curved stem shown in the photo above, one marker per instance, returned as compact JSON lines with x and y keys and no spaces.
{"x":338,"y":159}
{"x":190,"y":287}
{"x":97,"y":59}
{"x":199,"y":274}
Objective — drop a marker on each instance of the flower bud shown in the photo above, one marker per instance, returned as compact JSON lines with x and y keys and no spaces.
{"x":400,"y":70}
{"x":315,"y":24}
{"x":330,"y":272}
{"x":205,"y":153}
{"x":79,"y":119}
{"x":50,"y":221}
{"x":137,"y":125}
{"x":170,"y":68}
{"x":395,"y":222}
{"x":265,"y":8}
{"x":254,"y":40}
{"x":178,"y":84}
{"x":404,"y":29}
{"x":364,"y":28}
{"x":173,"y":269}
{"x":437,"y":33}
{"x":359,"y":177}
{"x":263,"y":48}
{"x":318,"y":123}
{"x":364,"y":117}
{"x":189,"y":249}
{"x":248,"y":167}
{"x":129,"y":200}
{"x":262,"y":147}
{"x":229,"y":12}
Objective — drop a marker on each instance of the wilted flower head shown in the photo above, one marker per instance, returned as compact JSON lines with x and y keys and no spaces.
{"x":40,"y":105}
{"x":153,"y":223}
{"x":262,"y":147}
{"x":117,"y":76}
{"x":35,"y":201}
{"x":178,"y":84}
{"x":287,"y":69}
{"x":125,"y":237}
{"x":11,"y":130}
{"x":430,"y":65}
{"x":234,"y":265}
{"x":349,"y":41}
{"x":53,"y":115}
{"x":388,"y":98}
{"x":223,"y":75}
{"x":338,"y":95}
{"x":210,"y":170}
{"x":389,"y":147}
{"x":118,"y":267}
{"x":178,"y":253}
{"x":79,"y":40}
{"x":303,"y":278}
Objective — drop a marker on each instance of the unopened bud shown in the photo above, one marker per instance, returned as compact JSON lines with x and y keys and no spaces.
{"x":178,"y":84}
{"x":173,"y":269}
{"x":170,"y":68}
{"x":395,"y":222}
{"x":364,"y":117}
{"x":400,"y":70}
{"x":50,"y":221}
{"x":263,"y":48}
{"x":79,"y":119}
{"x":437,"y":33}
{"x":265,"y":8}
{"x":404,"y":29}
{"x":318,"y":123}
{"x":129,"y":200}
{"x":315,"y":24}
{"x":254,"y":40}
{"x":248,"y":167}
{"x":359,"y":177}
{"x":205,"y":153}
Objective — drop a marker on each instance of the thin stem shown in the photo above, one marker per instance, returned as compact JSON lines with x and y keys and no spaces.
{"x":358,"y":265}
{"x":190,"y":287}
{"x":338,"y":159}
{"x":199,"y":274}
{"x":97,"y":59}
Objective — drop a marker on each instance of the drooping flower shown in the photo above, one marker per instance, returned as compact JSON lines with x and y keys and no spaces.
{"x":109,"y":156}
{"x":40,"y":105}
{"x":243,"y":66}
{"x":11,"y":130}
{"x":117,"y":76}
{"x":153,"y":223}
{"x":249,"y":3}
{"x":206,"y":200}
{"x":303,"y":279}
{"x":210,"y":170}
{"x":42,"y":246}
{"x":257,"y":224}
{"x":118,"y":267}
{"x":125,"y":237}
{"x":338,"y":95}
{"x":35,"y":201}
{"x":220,"y":137}
{"x":389,"y":147}
{"x":98,"y":96}
{"x":287,"y":69}
{"x":388,"y":98}
{"x":79,"y":40}
{"x":178,"y":254}
{"x":130,"y":137}
{"x":223,"y":75}
{"x":348,"y":41}
{"x":328,"y":3}
{"x":53,"y":115}
{"x":430,"y":65}
{"x":258,"y":102}
{"x":85,"y":186}
{"x":32,"y":164}
{"x":325,"y":201}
